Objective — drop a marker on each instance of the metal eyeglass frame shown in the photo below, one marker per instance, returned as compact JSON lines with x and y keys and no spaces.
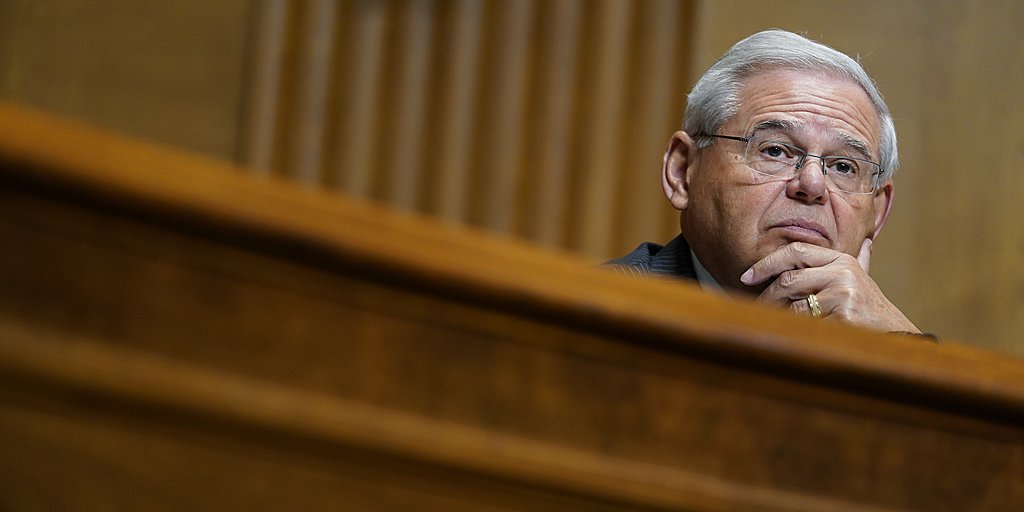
{"x":803,"y":160}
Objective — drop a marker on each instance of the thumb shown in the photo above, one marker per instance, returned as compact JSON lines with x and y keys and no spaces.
{"x":864,"y":257}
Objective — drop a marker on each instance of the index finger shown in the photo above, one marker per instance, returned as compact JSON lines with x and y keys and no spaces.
{"x":864,"y":256}
{"x":788,"y":257}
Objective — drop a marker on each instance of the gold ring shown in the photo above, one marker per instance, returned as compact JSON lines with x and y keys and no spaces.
{"x":812,"y":302}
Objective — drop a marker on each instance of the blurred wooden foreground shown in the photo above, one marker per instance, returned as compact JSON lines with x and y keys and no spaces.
{"x":176,"y":334}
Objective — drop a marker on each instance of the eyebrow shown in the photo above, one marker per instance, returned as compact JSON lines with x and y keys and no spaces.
{"x":856,"y":144}
{"x":773,"y":124}
{"x":789,"y":126}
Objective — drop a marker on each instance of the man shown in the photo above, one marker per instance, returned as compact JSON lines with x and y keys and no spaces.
{"x":782,"y":175}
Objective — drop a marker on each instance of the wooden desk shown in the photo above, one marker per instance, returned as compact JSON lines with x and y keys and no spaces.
{"x":175,"y":335}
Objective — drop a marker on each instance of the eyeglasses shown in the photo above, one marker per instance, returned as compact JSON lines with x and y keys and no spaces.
{"x":783,"y":161}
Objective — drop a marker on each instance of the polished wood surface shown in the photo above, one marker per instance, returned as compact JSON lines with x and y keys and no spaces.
{"x":176,"y":333}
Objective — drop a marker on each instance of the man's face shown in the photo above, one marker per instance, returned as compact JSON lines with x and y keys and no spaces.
{"x":733,"y":217}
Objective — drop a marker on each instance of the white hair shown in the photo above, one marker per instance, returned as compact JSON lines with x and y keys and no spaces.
{"x":715,"y":97}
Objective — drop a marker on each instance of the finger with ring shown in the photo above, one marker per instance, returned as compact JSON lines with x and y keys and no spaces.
{"x":814,"y":305}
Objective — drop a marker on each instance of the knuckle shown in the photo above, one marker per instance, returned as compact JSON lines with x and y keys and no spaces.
{"x":786,"y":279}
{"x":799,"y":249}
{"x":844,"y":312}
{"x":847,"y":274}
{"x":847,"y":295}
{"x":849,"y":260}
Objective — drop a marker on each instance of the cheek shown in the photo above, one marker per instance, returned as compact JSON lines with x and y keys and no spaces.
{"x":743,"y":210}
{"x":853,"y":224}
{"x":732,"y":201}
{"x":754,"y":201}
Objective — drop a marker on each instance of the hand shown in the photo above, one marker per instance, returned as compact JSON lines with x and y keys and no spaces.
{"x":840,"y":281}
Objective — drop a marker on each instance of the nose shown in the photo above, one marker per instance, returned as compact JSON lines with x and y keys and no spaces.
{"x":808,"y":186}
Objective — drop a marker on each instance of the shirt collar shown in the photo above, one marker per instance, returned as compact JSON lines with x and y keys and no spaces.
{"x":707,"y":282}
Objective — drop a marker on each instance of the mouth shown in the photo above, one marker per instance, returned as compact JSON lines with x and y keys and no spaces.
{"x":802,"y":230}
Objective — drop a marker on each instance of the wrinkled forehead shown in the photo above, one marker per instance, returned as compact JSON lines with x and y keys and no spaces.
{"x":810,"y":107}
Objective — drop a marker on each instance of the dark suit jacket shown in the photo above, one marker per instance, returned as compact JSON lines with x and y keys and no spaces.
{"x":650,"y":259}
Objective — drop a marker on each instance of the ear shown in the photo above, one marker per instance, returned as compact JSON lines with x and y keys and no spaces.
{"x":883,"y":205}
{"x":675,"y":176}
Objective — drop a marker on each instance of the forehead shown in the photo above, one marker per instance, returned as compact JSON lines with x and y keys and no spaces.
{"x":816,"y":104}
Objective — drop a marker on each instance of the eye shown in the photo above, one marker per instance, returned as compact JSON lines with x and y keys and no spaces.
{"x":770,"y":150}
{"x":843,"y":166}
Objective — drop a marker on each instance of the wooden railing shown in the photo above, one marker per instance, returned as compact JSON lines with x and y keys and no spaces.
{"x":179,"y":335}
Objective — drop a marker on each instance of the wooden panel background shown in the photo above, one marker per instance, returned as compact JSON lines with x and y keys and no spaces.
{"x":168,"y":71}
{"x":547,"y":120}
{"x":486,"y":113}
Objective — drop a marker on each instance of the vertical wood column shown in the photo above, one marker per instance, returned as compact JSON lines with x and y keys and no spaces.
{"x":266,"y":43}
{"x":405,"y":142}
{"x":499,"y":153}
{"x":310,"y":108}
{"x":604,"y":127}
{"x":355,"y":144}
{"x":458,"y":103}
{"x":546,"y":210}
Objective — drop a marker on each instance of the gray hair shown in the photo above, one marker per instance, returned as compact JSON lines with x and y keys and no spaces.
{"x":715,"y":97}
